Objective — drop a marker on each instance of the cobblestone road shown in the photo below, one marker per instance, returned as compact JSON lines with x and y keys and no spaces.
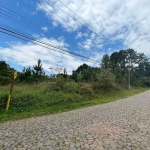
{"x":119,"y":125}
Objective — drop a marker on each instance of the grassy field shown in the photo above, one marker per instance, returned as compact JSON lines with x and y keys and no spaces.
{"x":48,"y":98}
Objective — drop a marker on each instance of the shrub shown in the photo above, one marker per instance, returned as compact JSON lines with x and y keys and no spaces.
{"x":106,"y":79}
{"x":3,"y":100}
{"x":72,"y":87}
{"x":146,"y":81}
{"x":60,"y":82}
{"x":96,"y":87}
{"x":4,"y":80}
{"x":87,"y":89}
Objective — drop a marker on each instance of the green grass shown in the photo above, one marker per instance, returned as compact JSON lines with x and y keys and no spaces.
{"x":40,"y":99}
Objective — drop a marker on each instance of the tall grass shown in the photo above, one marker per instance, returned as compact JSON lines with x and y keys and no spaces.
{"x":29,"y":99}
{"x":26,"y":97}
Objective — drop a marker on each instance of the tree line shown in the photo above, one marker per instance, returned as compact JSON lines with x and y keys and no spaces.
{"x":118,"y":68}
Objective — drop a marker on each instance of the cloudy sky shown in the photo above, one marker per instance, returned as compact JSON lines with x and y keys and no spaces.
{"x":90,"y":28}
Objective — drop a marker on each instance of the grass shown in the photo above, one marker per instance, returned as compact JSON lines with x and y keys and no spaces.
{"x":40,"y":99}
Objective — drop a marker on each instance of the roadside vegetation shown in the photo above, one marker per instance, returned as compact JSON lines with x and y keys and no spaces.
{"x":35,"y":93}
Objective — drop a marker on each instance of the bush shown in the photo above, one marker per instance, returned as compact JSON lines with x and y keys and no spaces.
{"x":146,"y":81}
{"x":106,"y":79}
{"x":96,"y":87}
{"x":60,"y":82}
{"x":72,"y":87}
{"x":87,"y":89}
{"x":3,"y":100}
{"x":4,"y":80}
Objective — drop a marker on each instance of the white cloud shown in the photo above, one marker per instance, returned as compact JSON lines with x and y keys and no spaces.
{"x":45,"y":29}
{"x":32,"y":13}
{"x":116,"y":25}
{"x":87,"y":44}
{"x":81,"y":34}
{"x":113,"y":20}
{"x":99,"y":46}
{"x":27,"y":55}
{"x":17,"y":3}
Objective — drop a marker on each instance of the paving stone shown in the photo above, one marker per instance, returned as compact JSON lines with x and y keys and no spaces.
{"x":77,"y":144}
{"x":48,"y":142}
{"x":119,"y":125}
{"x":72,"y":148}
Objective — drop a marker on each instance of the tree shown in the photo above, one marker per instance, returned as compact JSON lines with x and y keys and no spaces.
{"x":79,"y":78}
{"x":127,"y":64}
{"x":4,"y":68}
{"x":105,"y":62}
{"x":74,"y":76}
{"x":143,"y":69}
{"x":65,"y":74}
{"x":26,"y":75}
{"x":114,"y":60}
{"x":82,"y":68}
{"x":106,"y":79}
{"x":6,"y":73}
{"x":126,"y":58}
{"x":87,"y":73}
{"x":38,"y":70}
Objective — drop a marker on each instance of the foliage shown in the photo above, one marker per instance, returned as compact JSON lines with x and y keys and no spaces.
{"x":24,"y":98}
{"x":29,"y":75}
{"x":4,"y":80}
{"x":31,"y":100}
{"x":126,"y":61}
{"x":38,"y":70}
{"x":118,"y":63}
{"x":84,"y":83}
{"x":96,"y":87}
{"x":85,"y":73}
{"x":6,"y":73}
{"x":3,"y":99}
{"x":105,"y":62}
{"x":106,"y":79}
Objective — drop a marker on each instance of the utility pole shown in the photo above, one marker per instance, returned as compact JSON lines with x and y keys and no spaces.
{"x":129,"y":74}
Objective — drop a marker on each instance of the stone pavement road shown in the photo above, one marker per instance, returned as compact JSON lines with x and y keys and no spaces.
{"x":119,"y":125}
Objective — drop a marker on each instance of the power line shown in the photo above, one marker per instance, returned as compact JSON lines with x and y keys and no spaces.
{"x":10,"y":16}
{"x":5,"y":32}
{"x":14,"y":13}
{"x":17,"y":21}
{"x":41,"y":4}
{"x":65,"y":12}
{"x":29,"y":37}
{"x":44,"y":46}
{"x":32,"y":38}
{"x":27,"y":40}
{"x":94,"y":30}
{"x":21,"y":22}
{"x":41,"y":43}
{"x":25,"y":23}
{"x":11,"y":34}
{"x":76,"y":15}
{"x":89,"y":25}
{"x":66,"y":20}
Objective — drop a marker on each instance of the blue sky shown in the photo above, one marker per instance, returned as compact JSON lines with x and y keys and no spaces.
{"x":108,"y":26}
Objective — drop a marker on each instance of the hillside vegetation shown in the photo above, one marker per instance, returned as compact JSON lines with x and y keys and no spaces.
{"x":35,"y":93}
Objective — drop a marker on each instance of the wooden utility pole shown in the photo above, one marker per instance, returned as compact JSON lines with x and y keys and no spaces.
{"x":129,"y":75}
